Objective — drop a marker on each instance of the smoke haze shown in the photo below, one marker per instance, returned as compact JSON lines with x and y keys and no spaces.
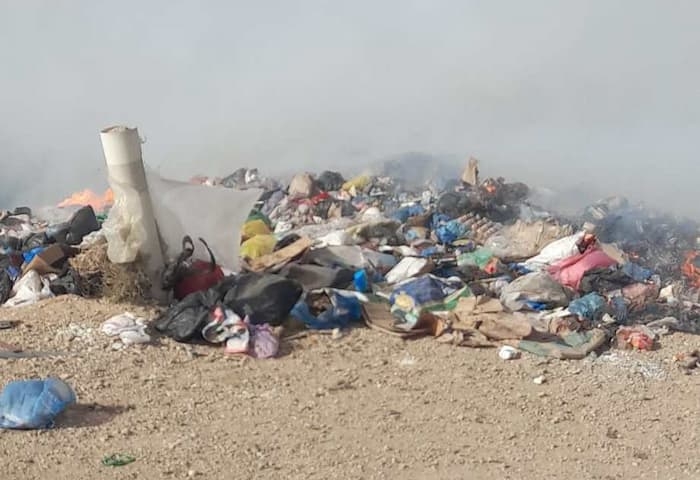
{"x":593,"y":97}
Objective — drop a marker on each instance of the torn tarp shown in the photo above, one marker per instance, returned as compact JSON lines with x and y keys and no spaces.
{"x":214,"y":214}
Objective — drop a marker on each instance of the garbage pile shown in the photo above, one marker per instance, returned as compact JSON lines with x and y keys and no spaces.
{"x":468,"y":261}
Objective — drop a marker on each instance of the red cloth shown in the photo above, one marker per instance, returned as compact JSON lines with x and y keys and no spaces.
{"x":570,"y":271}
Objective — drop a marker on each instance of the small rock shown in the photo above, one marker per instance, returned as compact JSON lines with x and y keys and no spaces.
{"x":507,"y":352}
{"x":337,"y":334}
{"x":192,"y":473}
{"x":539,"y":380}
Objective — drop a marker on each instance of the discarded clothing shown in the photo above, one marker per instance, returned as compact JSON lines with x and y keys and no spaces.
{"x":128,"y":327}
{"x":572,"y":346}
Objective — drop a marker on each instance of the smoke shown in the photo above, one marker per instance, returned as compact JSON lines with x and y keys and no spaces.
{"x":589,"y":98}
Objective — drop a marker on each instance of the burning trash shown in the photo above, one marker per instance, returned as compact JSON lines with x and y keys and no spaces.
{"x":87,"y":197}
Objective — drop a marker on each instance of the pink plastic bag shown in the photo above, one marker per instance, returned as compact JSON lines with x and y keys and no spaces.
{"x":570,"y":271}
{"x":264,"y":342}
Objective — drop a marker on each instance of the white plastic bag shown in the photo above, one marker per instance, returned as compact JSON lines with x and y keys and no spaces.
{"x":29,"y":289}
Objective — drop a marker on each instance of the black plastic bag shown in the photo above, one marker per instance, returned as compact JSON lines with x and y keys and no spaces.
{"x":330,"y":181}
{"x":5,"y":286}
{"x":313,"y":277}
{"x":266,"y":298}
{"x":184,"y":321}
{"x":83,"y":223}
{"x":35,"y":240}
{"x":70,"y":283}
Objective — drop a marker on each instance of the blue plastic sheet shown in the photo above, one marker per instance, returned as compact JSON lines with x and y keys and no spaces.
{"x":34,"y":404}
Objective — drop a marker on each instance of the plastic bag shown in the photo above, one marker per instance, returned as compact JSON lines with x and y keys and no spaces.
{"x":264,"y":298}
{"x":301,"y":186}
{"x":345,"y":307}
{"x":123,"y":227}
{"x":251,"y":228}
{"x":536,"y":287}
{"x":451,"y":231}
{"x":30,"y":289}
{"x":33,"y":404}
{"x":330,"y":181}
{"x":523,"y":240}
{"x":408,"y":267}
{"x":478,"y":258}
{"x":413,"y":297}
{"x":258,"y":246}
{"x":555,"y":251}
{"x":357,"y":183}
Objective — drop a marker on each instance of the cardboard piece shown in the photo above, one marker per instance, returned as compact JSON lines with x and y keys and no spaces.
{"x":277,"y":260}
{"x":48,"y":260}
{"x":486,"y":315}
{"x":471,"y":172}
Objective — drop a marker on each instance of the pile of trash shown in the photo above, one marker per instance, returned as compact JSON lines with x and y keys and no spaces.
{"x":470,"y":262}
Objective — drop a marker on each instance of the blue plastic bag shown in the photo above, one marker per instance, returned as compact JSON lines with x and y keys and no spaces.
{"x":34,"y":404}
{"x":590,"y":307}
{"x":450,"y":231}
{"x":404,"y":213}
{"x":361,"y":281}
{"x":344,"y":310}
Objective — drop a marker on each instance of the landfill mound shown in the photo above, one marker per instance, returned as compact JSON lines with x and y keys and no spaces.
{"x":470,"y":262}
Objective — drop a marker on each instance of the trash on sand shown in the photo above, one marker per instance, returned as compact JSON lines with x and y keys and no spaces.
{"x":118,"y":460}
{"x":34,"y":404}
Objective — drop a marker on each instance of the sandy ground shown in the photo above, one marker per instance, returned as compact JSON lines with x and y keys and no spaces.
{"x":364,"y":406}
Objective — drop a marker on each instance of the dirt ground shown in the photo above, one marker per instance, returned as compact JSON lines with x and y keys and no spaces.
{"x":363,"y":406}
